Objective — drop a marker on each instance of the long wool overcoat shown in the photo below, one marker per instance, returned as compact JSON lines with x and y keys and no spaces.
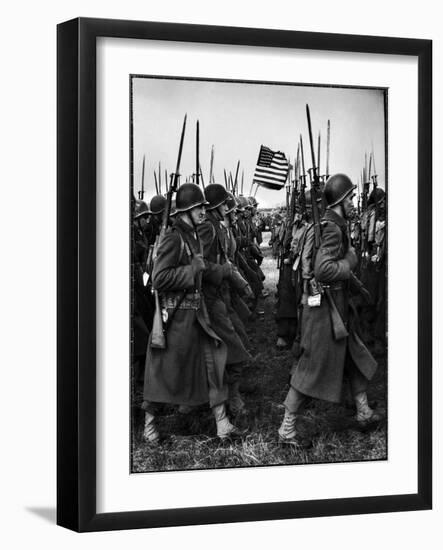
{"x":320,"y":369}
{"x":214,"y":280}
{"x":191,"y":370}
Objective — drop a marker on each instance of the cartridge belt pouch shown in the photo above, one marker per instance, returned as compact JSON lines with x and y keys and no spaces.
{"x":191,"y":300}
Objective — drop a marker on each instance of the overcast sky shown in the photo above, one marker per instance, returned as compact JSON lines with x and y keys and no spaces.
{"x":239,"y":117}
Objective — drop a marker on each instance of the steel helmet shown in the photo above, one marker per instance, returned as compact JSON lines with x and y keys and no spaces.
{"x":141,"y":209}
{"x":189,"y":195}
{"x":337,"y":188}
{"x":253,"y":202}
{"x":157,"y":204}
{"x":242,"y":203}
{"x":216,"y":195}
{"x":377,"y":196}
{"x":231,"y":203}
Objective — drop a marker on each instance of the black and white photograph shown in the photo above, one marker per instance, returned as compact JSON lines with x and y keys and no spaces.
{"x":259,"y":288}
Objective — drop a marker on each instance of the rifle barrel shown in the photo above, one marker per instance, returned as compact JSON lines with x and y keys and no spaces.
{"x":156,"y":184}
{"x":311,"y":141}
{"x":143,"y":178}
{"x":211,"y":167}
{"x":236,"y":178}
{"x":174,"y":183}
{"x":197,"y":148}
{"x":328,"y":143}
{"x":302,"y":156}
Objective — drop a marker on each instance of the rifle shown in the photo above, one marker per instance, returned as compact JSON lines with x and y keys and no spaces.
{"x":234,"y":191}
{"x":294,"y":184}
{"x":338,"y":327}
{"x":302,"y":179}
{"x":156,"y":184}
{"x":197,"y":152}
{"x":211,"y":166}
{"x":201,"y":177}
{"x":328,"y":141}
{"x":141,"y":193}
{"x":315,"y":186}
{"x":158,"y":339}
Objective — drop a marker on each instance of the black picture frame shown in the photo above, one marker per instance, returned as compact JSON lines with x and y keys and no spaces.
{"x":76,"y":277}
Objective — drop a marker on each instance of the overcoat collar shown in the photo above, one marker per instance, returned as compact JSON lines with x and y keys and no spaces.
{"x":214,"y":215}
{"x":332,"y":216}
{"x":185,"y":227}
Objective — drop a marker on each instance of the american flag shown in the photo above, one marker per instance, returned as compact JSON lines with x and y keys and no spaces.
{"x":272,"y":169}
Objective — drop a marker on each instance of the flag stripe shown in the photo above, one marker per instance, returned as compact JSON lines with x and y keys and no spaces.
{"x":271,"y":172}
{"x":272,"y":168}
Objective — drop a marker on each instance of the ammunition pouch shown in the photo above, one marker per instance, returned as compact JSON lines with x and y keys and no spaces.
{"x":191,"y":300}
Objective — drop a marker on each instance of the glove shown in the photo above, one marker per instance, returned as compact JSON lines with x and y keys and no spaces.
{"x":197,"y":264}
{"x":351,"y":257}
{"x":227,"y":270}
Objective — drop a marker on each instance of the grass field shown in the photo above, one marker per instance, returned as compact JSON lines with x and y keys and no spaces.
{"x":191,"y":442}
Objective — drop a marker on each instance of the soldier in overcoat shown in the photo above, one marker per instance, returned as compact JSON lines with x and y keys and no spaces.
{"x":325,"y":356}
{"x":220,"y":272}
{"x":143,"y":306}
{"x":191,"y":369}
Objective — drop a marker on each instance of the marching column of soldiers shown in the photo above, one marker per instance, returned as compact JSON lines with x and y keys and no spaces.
{"x":206,"y":274}
{"x":197,"y":282}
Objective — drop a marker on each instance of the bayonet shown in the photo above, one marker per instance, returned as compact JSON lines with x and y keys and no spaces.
{"x":142,"y":192}
{"x":314,"y":185}
{"x":236,"y":178}
{"x":197,"y":152}
{"x":201,"y":177}
{"x":174,"y":183}
{"x":328,"y":142}
{"x":211,"y":166}
{"x":156,"y":184}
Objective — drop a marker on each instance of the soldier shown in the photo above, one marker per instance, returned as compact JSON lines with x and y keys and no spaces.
{"x":156,"y":207}
{"x":326,"y":354}
{"x":374,"y":274}
{"x":190,"y":371}
{"x":219,"y":273}
{"x":248,"y":267}
{"x":288,"y":294}
{"x":143,"y":305}
{"x":302,"y":249}
{"x":239,"y":289}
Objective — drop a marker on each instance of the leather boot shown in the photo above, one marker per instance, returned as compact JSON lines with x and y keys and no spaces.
{"x":281,"y":343}
{"x":225,"y":430}
{"x":287,"y":431}
{"x":364,"y":413}
{"x":150,"y":433}
{"x":235,"y":401}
